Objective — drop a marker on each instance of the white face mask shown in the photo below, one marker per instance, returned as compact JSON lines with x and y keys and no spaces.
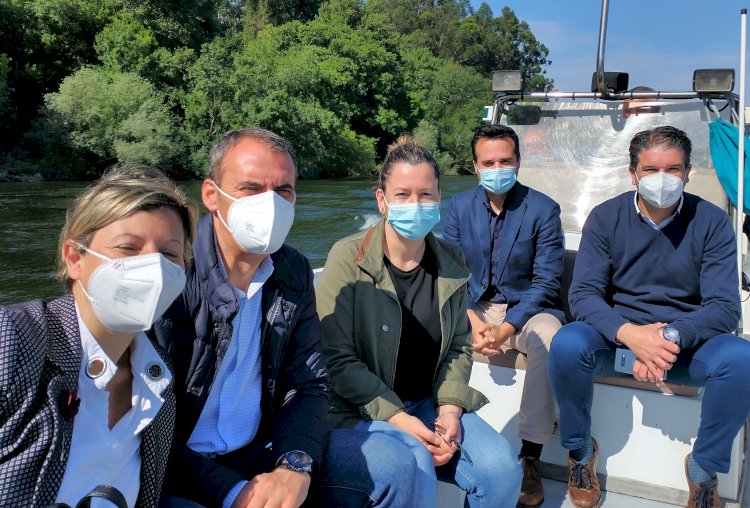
{"x":259,"y":224}
{"x":128,"y":294}
{"x":661,"y":190}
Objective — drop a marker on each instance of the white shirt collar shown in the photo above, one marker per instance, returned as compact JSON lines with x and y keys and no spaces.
{"x":145,"y":362}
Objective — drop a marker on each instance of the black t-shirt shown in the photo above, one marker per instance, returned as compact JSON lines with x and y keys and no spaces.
{"x":419,"y":348}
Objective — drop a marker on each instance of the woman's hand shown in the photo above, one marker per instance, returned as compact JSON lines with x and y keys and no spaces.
{"x":449,"y":420}
{"x":414,"y":426}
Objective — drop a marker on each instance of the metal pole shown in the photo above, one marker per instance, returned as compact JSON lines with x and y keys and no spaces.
{"x":600,"y":51}
{"x":741,"y":150}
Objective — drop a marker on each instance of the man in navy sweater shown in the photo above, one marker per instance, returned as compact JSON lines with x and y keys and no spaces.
{"x":656,"y":273}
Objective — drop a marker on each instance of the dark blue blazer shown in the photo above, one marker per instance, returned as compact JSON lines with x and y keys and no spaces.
{"x":530,"y":261}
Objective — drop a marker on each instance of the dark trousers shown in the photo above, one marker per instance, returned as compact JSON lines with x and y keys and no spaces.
{"x":721,"y":365}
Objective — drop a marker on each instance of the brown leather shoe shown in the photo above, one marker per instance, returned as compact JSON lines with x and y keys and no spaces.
{"x":702,"y":495}
{"x":532,"y":492}
{"x":583,"y":484}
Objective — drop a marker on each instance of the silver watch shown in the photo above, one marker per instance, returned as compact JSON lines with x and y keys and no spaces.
{"x":671,"y":334}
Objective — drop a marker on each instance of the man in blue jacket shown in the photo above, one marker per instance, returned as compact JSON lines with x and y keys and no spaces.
{"x":252,"y":389}
{"x":656,"y":273}
{"x":513,"y":243}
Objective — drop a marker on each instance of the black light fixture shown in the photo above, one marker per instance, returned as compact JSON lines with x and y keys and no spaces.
{"x":614,"y":82}
{"x":507,"y":81}
{"x":713,"y":80}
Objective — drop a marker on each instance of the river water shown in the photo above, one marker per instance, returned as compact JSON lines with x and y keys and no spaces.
{"x":32,"y":214}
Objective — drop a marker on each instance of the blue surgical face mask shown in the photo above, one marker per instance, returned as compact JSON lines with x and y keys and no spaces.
{"x":497,"y":180}
{"x":413,"y":220}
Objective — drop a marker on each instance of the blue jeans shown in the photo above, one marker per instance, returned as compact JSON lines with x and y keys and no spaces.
{"x":492,"y":478}
{"x":579,"y":353}
{"x":362,"y":469}
{"x":359,"y":469}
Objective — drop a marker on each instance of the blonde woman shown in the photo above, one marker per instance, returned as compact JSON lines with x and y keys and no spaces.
{"x":85,"y":397}
{"x":397,"y":341}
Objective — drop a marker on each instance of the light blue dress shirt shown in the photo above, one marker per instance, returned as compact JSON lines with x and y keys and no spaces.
{"x":231,"y":416}
{"x":653,"y":224}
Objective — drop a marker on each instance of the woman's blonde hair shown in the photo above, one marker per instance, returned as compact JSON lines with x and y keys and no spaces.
{"x":406,"y":149}
{"x":120,"y":192}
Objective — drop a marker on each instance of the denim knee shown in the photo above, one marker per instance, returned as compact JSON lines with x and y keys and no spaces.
{"x":568,"y":345}
{"x":731,"y":359}
{"x":393,"y":472}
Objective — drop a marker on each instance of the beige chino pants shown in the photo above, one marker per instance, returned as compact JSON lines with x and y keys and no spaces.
{"x":537,"y":413}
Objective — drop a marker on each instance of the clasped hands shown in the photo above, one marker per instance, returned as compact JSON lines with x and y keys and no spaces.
{"x":487,"y":338}
{"x":654,"y":354}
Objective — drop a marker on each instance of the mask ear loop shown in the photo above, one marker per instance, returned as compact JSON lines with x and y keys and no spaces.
{"x":93,"y":253}
{"x":218,"y":213}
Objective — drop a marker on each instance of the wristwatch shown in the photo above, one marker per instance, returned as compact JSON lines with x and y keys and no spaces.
{"x":671,"y":334}
{"x":296,"y":460}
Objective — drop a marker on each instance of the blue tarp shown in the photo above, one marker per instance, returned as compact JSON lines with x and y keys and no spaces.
{"x":724,"y":148}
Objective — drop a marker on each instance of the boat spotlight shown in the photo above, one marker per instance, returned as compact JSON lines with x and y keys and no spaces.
{"x":713,"y":80}
{"x":507,"y":81}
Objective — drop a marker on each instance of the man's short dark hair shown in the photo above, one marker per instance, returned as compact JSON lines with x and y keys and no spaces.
{"x":495,"y":131}
{"x":232,"y":138}
{"x":660,"y":137}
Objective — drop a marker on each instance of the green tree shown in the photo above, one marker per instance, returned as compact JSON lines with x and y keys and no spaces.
{"x":210,"y":102}
{"x":456,"y":96}
{"x":452,"y":30}
{"x":334,"y":86}
{"x":112,"y":116}
{"x":125,"y":44}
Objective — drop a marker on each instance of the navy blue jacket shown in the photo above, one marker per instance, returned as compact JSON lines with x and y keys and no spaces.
{"x":197,"y":330}
{"x":531,"y":258}
{"x":685,"y":274}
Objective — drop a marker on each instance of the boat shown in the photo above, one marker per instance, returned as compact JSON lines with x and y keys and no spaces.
{"x":574,"y":148}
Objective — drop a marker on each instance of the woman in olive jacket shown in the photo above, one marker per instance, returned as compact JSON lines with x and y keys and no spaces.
{"x":397,"y":341}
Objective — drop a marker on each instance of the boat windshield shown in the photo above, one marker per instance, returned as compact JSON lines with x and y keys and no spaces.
{"x":576,"y":151}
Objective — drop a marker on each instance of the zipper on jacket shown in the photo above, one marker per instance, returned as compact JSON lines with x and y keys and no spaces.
{"x":273,"y":312}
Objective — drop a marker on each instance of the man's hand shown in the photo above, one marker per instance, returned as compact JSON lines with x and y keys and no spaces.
{"x":487,"y":339}
{"x":478,"y":330}
{"x":483,"y":341}
{"x":434,"y":443}
{"x":654,"y":354}
{"x":492,"y":337}
{"x":281,"y":488}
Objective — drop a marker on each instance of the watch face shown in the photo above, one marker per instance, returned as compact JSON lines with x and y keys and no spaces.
{"x":671,"y":334}
{"x":298,"y":459}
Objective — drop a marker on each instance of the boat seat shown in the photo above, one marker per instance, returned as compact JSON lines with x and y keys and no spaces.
{"x":513,"y":359}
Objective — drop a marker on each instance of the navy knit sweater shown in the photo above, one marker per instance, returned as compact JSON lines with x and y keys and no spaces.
{"x":685,"y":274}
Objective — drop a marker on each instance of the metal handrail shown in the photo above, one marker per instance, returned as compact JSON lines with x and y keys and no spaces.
{"x":504,"y":97}
{"x":600,"y":51}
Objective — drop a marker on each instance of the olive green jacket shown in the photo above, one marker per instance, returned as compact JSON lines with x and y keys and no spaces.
{"x":361,"y":323}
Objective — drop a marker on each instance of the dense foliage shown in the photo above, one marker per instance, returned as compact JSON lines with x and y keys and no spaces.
{"x":86,"y":83}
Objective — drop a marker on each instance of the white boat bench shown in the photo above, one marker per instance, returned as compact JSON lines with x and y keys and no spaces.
{"x":644,"y":431}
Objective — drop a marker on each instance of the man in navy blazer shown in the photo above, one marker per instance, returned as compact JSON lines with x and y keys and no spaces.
{"x":512,"y":239}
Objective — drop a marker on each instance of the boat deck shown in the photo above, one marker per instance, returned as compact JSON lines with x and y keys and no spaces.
{"x":556,"y":496}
